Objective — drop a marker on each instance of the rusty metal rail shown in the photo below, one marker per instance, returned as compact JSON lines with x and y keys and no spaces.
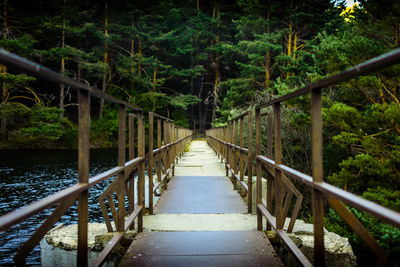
{"x":162,"y":158}
{"x":229,"y":143}
{"x":126,"y":173}
{"x":279,"y":188}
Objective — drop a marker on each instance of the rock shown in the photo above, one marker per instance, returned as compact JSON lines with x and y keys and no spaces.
{"x":338,"y":251}
{"x":60,"y":244}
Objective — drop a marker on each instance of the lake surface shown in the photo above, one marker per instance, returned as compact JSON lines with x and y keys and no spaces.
{"x":27,"y":176}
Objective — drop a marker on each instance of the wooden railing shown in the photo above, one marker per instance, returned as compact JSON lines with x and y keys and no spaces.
{"x":279,"y":188}
{"x":126,"y":173}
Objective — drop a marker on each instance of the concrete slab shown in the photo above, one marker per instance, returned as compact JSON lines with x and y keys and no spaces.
{"x":200,"y":160}
{"x":200,"y":222}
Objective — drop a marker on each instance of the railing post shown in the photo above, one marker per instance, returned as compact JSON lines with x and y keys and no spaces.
{"x":159,"y":132}
{"x":231,"y":149}
{"x":83,"y":175}
{"x":227,"y":139}
{"x":159,"y":155}
{"x":250,"y":162}
{"x":241,"y":158}
{"x":141,"y":174}
{"x":259,"y":168}
{"x":235,"y":152}
{"x":166,"y":152}
{"x":317,"y":173}
{"x":173,"y":148}
{"x":270,"y":177}
{"x":131,"y":155}
{"x":131,"y":136}
{"x":150,"y":170}
{"x":120,"y":222}
{"x":278,"y":174}
{"x":220,"y":134}
{"x":224,"y":150}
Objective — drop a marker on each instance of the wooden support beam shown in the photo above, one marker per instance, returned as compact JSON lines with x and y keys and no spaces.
{"x":250,"y":158}
{"x":259,"y":169}
{"x":317,"y":173}
{"x":278,"y":174}
{"x":83,"y":175}
{"x":150,"y":164}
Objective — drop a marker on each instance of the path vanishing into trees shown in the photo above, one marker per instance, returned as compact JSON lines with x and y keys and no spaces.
{"x":214,"y":229}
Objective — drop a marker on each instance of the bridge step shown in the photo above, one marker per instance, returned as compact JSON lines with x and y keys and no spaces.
{"x":201,"y":248}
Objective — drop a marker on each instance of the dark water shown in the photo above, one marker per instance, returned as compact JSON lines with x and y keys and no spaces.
{"x":27,"y":176}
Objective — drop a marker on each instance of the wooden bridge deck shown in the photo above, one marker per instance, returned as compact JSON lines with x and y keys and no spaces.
{"x":200,"y":187}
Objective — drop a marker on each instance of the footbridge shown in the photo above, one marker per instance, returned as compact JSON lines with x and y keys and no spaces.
{"x":238,"y":170}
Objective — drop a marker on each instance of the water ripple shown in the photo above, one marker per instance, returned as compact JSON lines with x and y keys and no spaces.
{"x":27,"y":176}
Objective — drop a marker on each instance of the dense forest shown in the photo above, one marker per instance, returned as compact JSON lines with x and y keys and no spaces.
{"x":203,"y":62}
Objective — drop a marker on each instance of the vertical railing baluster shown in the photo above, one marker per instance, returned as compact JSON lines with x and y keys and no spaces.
{"x":120,"y":221}
{"x":235,"y":152}
{"x":317,"y":173}
{"x":259,"y":168}
{"x":150,"y":164}
{"x":166,"y":153}
{"x":83,"y":175}
{"x":173,"y":147}
{"x":131,"y":155}
{"x":232,"y":150}
{"x":131,"y":136}
{"x":278,"y":160}
{"x":141,"y":174}
{"x":159,"y":132}
{"x":159,"y":155}
{"x":227,"y":149}
{"x":270,"y":177}
{"x":169,"y":147}
{"x":221,"y":145}
{"x":241,"y":154}
{"x":250,"y":162}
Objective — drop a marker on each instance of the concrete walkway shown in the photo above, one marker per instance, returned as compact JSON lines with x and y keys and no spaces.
{"x":200,"y":160}
{"x":200,"y":221}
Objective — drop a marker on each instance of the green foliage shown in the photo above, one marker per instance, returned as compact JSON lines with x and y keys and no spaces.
{"x":104,"y":130}
{"x":44,"y":128}
{"x":386,"y":235}
{"x":384,"y":196}
{"x":184,"y":101}
{"x":22,"y":45}
{"x":368,"y":135}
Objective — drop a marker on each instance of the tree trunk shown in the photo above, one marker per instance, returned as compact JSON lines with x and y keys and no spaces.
{"x":140,"y":54}
{"x":132,"y":54}
{"x":289,"y":50}
{"x":268,"y":57}
{"x":154,"y":88}
{"x":4,"y":67}
{"x":62,"y":61}
{"x":217,"y":74}
{"x":104,"y":84}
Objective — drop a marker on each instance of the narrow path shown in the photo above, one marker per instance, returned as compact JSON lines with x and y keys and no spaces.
{"x":200,"y":221}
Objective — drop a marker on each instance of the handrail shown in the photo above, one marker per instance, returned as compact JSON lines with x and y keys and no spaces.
{"x":220,"y":140}
{"x":229,"y":144}
{"x":382,"y":61}
{"x":162,"y":158}
{"x":125,"y":171}
{"x":40,"y":71}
